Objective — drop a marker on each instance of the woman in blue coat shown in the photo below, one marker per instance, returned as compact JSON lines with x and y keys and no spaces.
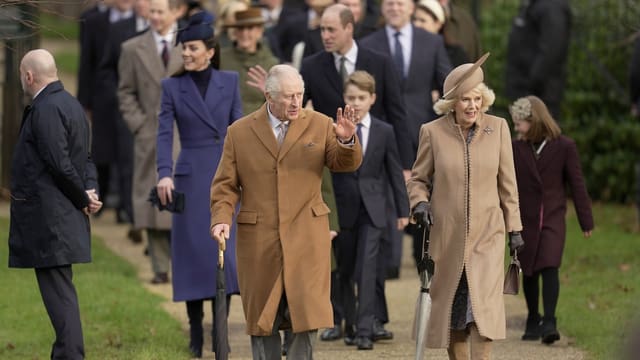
{"x":203,"y":102}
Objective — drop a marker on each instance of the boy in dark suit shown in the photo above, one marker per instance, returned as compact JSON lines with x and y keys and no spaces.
{"x":361,"y":199}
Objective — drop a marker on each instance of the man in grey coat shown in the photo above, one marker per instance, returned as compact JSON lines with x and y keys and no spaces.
{"x":53,"y":190}
{"x":145,"y":60}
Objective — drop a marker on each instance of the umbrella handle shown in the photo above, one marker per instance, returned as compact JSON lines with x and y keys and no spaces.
{"x":221,"y":258}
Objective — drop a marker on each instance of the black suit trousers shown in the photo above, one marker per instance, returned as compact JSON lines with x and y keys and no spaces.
{"x":357,"y":257}
{"x":61,"y":301}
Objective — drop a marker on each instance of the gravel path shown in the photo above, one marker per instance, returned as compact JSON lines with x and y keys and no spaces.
{"x":401,"y":296}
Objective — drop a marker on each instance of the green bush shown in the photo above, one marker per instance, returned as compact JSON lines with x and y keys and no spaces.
{"x":596,"y":101}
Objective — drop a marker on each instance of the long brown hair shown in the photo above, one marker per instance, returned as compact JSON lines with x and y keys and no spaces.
{"x":543,"y":126}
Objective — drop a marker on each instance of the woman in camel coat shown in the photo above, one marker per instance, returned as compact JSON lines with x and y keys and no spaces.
{"x":464,"y":172}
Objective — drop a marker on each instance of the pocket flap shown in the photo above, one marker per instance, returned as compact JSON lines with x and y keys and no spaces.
{"x":247,"y":217}
{"x":182,"y":169}
{"x":320,"y":209}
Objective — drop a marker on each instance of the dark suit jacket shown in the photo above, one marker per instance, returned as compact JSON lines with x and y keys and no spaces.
{"x":324,"y":87}
{"x":541,"y":186}
{"x":428,"y":68}
{"x":106,"y":111}
{"x":286,"y":33}
{"x":93,"y":36}
{"x":50,"y":173}
{"x":368,"y":185}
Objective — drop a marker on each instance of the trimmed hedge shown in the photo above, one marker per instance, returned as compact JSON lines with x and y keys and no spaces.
{"x":596,"y":106}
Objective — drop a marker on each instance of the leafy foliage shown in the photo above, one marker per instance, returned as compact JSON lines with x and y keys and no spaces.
{"x":596,"y":101}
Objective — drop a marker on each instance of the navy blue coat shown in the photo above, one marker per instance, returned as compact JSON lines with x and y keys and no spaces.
{"x":368,"y":185}
{"x":202,"y":126}
{"x":50,"y":173}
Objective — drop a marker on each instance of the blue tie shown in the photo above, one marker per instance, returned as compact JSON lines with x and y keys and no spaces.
{"x":359,"y":133}
{"x":398,"y":57}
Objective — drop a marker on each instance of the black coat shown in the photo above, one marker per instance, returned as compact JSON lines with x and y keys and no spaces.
{"x":324,"y":87}
{"x":428,"y":68}
{"x":284,"y":35}
{"x":93,"y":36}
{"x":537,"y":52}
{"x":50,"y":173}
{"x":368,"y":185}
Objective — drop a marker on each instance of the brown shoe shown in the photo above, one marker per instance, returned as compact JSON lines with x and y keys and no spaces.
{"x":160,"y":278}
{"x":135,"y":235}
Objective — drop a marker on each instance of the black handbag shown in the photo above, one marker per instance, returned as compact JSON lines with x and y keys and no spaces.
{"x":512,"y":276}
{"x":175,"y":206}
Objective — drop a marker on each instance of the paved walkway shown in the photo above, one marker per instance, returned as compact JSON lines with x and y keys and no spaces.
{"x":401,"y":295}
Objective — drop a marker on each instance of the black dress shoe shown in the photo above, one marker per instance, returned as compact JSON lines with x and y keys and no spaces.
{"x":135,"y":235}
{"x":349,"y":335}
{"x":195,"y":351}
{"x":380,"y":333}
{"x":160,"y":278}
{"x":393,"y":272}
{"x":532,"y":331}
{"x":332,"y":334}
{"x":364,"y":343}
{"x":549,"y":331}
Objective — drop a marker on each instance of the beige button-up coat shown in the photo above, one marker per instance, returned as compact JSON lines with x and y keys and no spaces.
{"x":283,"y":242}
{"x":474,"y":198}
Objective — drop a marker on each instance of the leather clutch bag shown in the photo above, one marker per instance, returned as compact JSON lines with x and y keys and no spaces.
{"x":175,"y":206}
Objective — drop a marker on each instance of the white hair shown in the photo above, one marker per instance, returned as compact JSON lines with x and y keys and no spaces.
{"x":275,"y":76}
{"x":443,"y":106}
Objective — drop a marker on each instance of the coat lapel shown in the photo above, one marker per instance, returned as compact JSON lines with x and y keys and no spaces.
{"x":330,"y":71}
{"x":550,"y":151}
{"x":261,"y":127}
{"x":193,"y":100}
{"x":529,"y":159}
{"x":296,"y":128}
{"x":148,"y":54}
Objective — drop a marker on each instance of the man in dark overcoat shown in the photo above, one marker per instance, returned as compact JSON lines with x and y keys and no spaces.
{"x":53,"y":190}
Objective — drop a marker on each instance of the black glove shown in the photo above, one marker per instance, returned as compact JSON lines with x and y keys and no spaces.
{"x":422,"y":214}
{"x":516,"y":243}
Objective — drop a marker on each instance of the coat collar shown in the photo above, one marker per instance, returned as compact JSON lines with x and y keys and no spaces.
{"x":203,"y":108}
{"x":262,"y":128}
{"x":329,"y":68}
{"x":148,"y":53}
{"x":528,"y":159}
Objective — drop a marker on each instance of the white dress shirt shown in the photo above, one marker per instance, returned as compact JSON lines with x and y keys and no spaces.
{"x":117,"y":15}
{"x":406,"y":40}
{"x":168,"y":38}
{"x":274,"y":122}
{"x":350,"y":62}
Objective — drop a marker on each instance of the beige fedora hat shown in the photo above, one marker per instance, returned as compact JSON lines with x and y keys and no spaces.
{"x":464,"y":78}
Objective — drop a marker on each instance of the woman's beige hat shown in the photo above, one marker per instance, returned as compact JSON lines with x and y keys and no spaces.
{"x":249,"y":17}
{"x":464,"y":78}
{"x":434,"y":7}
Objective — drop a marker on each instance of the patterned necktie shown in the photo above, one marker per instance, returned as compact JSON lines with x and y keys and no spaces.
{"x":165,"y":53}
{"x":344,"y":74}
{"x":398,"y":57}
{"x":282,"y":132}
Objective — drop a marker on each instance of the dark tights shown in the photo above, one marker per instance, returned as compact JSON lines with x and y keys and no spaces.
{"x":196,"y":313}
{"x":550,"y":291}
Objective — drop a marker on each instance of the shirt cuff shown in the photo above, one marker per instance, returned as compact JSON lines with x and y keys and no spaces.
{"x":349,"y":142}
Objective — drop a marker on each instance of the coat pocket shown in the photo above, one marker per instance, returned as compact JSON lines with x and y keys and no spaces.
{"x":247,"y":217}
{"x":320,"y":209}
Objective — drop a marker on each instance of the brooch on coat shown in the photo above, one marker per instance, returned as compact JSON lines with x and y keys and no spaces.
{"x":488,"y":130}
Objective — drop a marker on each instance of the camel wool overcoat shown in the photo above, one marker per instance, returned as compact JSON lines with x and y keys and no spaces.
{"x":282,"y":242}
{"x":474,"y":197}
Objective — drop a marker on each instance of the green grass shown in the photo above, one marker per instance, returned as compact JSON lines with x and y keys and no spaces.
{"x":67,"y":60}
{"x":58,"y":26}
{"x":120,"y":319}
{"x":600,"y":282}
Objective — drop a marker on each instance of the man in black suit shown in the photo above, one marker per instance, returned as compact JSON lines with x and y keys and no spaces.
{"x":324,"y":74}
{"x":361,"y":198}
{"x":91,"y":87}
{"x":275,"y":15}
{"x":421,"y":64}
{"x":324,"y":82}
{"x":53,"y":190}
{"x":109,"y":130}
{"x":302,"y":27}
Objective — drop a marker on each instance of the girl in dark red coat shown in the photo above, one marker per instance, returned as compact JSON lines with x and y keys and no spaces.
{"x":546,"y":162}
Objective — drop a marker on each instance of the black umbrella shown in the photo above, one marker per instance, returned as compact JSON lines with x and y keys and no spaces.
{"x":221,"y":345}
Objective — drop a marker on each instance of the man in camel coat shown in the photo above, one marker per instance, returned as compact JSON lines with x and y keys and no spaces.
{"x":283,"y":242}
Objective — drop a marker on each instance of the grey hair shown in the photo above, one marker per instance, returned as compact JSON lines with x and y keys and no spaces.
{"x":443,"y":106}
{"x":276,"y":74}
